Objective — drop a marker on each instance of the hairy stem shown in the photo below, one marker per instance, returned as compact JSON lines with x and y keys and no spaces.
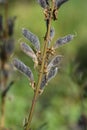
{"x":36,"y":94}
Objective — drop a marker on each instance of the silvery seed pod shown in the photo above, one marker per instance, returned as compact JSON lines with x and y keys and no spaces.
{"x":63,"y":40}
{"x":54,"y":62}
{"x":32,"y":38}
{"x":9,"y":46}
{"x":52,"y":73}
{"x":44,"y":81}
{"x":46,"y":78}
{"x":10,"y":23}
{"x":28,"y":51}
{"x":24,"y":69}
{"x":43,"y":3}
{"x":58,"y":3}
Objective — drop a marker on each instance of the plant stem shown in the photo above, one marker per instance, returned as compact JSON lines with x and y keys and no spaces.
{"x":36,"y":94}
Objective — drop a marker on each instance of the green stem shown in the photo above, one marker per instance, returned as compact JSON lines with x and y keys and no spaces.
{"x":36,"y":94}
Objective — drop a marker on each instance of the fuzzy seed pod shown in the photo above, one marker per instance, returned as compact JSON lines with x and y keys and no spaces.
{"x":54,"y":62}
{"x":52,"y":73}
{"x":7,"y":49}
{"x":24,"y":69}
{"x":63,"y":40}
{"x":43,"y":3}
{"x":43,"y":83}
{"x":9,"y":46}
{"x":46,"y":78}
{"x":58,"y":3}
{"x":32,"y":38}
{"x":28,"y":51}
{"x":10,"y":23}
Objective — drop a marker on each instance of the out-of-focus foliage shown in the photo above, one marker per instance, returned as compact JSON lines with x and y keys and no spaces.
{"x":61,"y":105}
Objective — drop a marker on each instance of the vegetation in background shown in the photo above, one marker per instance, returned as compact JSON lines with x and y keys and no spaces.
{"x":62,"y":109}
{"x":6,"y":50}
{"x":45,"y":60}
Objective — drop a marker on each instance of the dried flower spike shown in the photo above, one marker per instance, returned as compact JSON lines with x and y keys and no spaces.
{"x":63,"y":40}
{"x":28,"y":51}
{"x":24,"y":69}
{"x":32,"y":38}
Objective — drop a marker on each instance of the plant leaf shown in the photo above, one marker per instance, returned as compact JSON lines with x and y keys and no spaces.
{"x":32,"y":38}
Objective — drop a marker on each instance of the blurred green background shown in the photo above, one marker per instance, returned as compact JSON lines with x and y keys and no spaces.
{"x":60,"y":106}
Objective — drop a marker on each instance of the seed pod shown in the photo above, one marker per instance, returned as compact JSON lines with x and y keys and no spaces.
{"x":9,"y":46}
{"x":52,"y":73}
{"x":58,"y":3}
{"x":43,"y":3}
{"x":32,"y":38}
{"x":44,"y":81}
{"x":24,"y":69}
{"x":46,"y":78}
{"x":63,"y":40}
{"x":54,"y":62}
{"x":28,"y":51}
{"x":10,"y":23}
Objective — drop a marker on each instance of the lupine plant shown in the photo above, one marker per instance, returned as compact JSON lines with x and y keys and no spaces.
{"x":46,"y":60}
{"x":6,"y":50}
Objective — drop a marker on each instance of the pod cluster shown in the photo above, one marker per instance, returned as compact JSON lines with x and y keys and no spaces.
{"x":52,"y":61}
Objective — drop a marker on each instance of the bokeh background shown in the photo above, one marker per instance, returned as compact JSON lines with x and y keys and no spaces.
{"x":64,"y":100}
